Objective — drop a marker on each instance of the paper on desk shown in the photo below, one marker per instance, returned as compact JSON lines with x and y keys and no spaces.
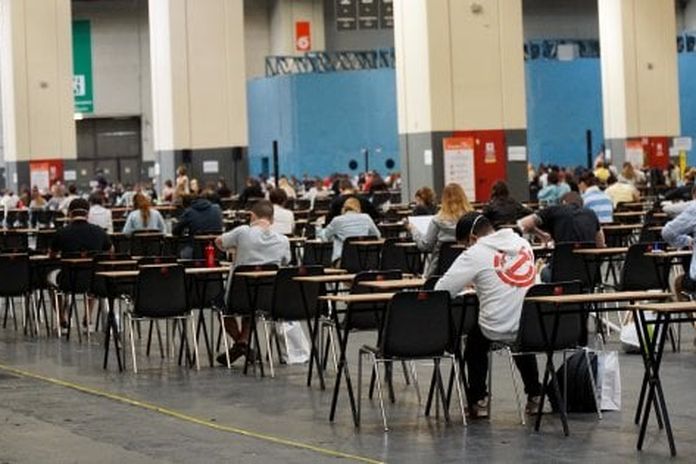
{"x":421,"y":223}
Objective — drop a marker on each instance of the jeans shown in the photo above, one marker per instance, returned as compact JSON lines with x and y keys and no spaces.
{"x":476,"y":359}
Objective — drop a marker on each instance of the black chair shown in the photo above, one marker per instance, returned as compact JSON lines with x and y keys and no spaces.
{"x":417,"y":325}
{"x":642,"y":272}
{"x":356,"y":259}
{"x":238,"y":302}
{"x":146,"y":243}
{"x":44,"y":238}
{"x":317,"y":253}
{"x":396,"y":257}
{"x":291,"y":301}
{"x":539,"y":322}
{"x":568,"y":266}
{"x":15,"y":282}
{"x":75,"y":278}
{"x":12,"y":241}
{"x":160,"y":294}
{"x":100,"y":288}
{"x":145,"y":260}
{"x":447,"y":255}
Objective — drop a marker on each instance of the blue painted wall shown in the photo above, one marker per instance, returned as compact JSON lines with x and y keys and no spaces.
{"x":564,"y":99}
{"x":322,"y":121}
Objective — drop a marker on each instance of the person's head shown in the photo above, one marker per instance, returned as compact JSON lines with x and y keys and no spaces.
{"x":278,"y":197}
{"x":552,"y":178}
{"x":181,"y":171}
{"x":96,"y":198}
{"x":693,"y":192}
{"x":500,"y":191}
{"x":571,"y":198}
{"x":35,"y":193}
{"x":611,"y":180}
{"x":168,"y":183}
{"x":454,"y":202}
{"x":345,"y":186}
{"x":587,"y":180}
{"x":72,"y":189}
{"x":283,"y":182}
{"x":193,"y":186}
{"x":78,"y":209}
{"x":262,"y":210}
{"x":600,"y":164}
{"x":425,"y":196}
{"x":628,"y":172}
{"x":471,"y":227}
{"x":351,"y":205}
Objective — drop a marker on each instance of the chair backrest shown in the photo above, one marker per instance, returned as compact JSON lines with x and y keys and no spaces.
{"x":355,"y":260}
{"x":417,"y":325}
{"x":76,"y":277}
{"x":649,"y":235}
{"x":641,"y":272}
{"x":571,"y":330}
{"x":14,"y":241}
{"x":317,"y":253}
{"x":368,"y":316}
{"x":288,"y":302}
{"x":568,"y":266}
{"x":238,"y":300}
{"x":146,"y":243}
{"x":160,"y":291}
{"x":15,"y":274}
{"x":447,"y":255}
{"x":44,"y":238}
{"x":394,"y":257}
{"x":430,"y":282}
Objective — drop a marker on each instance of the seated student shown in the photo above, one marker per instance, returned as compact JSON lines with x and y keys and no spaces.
{"x":596,"y":200}
{"x":254,"y":244}
{"x":143,"y":217}
{"x":503,"y":209}
{"x":621,"y":192}
{"x":348,"y":191}
{"x":500,"y":266}
{"x":425,"y":202}
{"x":78,"y":236}
{"x":201,"y":216}
{"x":554,"y":190}
{"x":98,"y":215}
{"x":352,"y":223}
{"x":441,"y":229}
{"x":283,"y":218}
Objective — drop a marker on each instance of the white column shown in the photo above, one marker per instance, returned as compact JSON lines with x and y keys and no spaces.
{"x":36,"y":79}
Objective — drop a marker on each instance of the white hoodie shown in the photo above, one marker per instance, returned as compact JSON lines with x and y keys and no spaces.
{"x":501,"y":267}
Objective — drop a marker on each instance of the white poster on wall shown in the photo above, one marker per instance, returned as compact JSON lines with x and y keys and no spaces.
{"x":69,"y":175}
{"x":459,"y":163}
{"x":211,"y":167}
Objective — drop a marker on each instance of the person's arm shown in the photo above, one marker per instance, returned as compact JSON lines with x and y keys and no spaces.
{"x":676,"y":232}
{"x":129,"y":226}
{"x":109,"y":222}
{"x":330,"y":231}
{"x":182,"y":224}
{"x":459,"y":276}
{"x":159,"y":222}
{"x":428,"y":241}
{"x":229,"y":239}
{"x":530,"y":224}
{"x":373,"y":229}
{"x":287,"y":256}
{"x":599,"y":239}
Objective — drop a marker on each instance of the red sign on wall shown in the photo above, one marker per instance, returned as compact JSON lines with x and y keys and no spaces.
{"x":303,"y":36}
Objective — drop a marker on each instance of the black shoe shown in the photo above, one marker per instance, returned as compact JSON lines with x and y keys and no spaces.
{"x":236,"y":352}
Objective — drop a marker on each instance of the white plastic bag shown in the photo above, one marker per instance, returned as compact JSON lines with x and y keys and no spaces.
{"x":296,"y":344}
{"x":609,"y":380}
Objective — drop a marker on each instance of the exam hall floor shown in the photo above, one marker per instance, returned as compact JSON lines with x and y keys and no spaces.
{"x":57,"y":405}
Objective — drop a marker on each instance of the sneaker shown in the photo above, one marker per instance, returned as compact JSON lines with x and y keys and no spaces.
{"x":479,"y":410}
{"x":533,"y":406}
{"x":236,"y":352}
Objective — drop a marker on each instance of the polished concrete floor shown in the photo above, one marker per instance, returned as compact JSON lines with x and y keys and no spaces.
{"x":57,"y":405}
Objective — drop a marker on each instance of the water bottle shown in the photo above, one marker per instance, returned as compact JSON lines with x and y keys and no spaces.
{"x":210,"y":255}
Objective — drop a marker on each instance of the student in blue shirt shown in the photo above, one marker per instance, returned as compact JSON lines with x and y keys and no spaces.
{"x":595,"y":199}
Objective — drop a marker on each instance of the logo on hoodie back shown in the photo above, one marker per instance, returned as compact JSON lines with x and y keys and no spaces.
{"x":515,"y":270}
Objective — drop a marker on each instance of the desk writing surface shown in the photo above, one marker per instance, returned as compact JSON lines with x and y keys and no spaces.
{"x":669,"y":254}
{"x":599,"y":297}
{"x":325,"y":279}
{"x":367,"y":243}
{"x":669,"y":307}
{"x":601,"y":251}
{"x":621,"y":227}
{"x":189,"y":271}
{"x":395,"y":284}
{"x":359,"y":298}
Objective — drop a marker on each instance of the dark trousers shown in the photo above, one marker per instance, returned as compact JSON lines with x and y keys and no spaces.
{"x":476,"y":359}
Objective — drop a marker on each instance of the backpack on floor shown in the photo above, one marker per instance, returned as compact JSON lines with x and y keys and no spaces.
{"x":581,"y":398}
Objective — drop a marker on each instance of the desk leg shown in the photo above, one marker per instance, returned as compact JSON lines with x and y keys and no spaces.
{"x":644,"y":340}
{"x":655,"y":391}
{"x":313,"y":329}
{"x":343,"y":366}
{"x":112,"y":327}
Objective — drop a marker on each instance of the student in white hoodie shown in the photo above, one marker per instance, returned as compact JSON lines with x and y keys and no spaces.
{"x":500,"y":266}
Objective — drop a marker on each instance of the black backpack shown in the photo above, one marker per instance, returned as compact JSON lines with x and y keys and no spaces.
{"x":580,"y":395}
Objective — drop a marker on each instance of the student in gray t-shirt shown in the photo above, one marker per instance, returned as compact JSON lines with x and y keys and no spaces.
{"x":253,"y":244}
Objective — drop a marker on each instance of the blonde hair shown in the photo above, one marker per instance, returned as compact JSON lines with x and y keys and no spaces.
{"x":454,"y":203}
{"x":351,"y":204}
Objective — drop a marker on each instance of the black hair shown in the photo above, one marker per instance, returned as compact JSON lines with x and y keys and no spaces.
{"x":472,"y":224}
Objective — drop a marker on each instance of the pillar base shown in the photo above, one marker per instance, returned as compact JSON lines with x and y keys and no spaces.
{"x":17,"y":175}
{"x":232,"y":165}
{"x":419,"y":169}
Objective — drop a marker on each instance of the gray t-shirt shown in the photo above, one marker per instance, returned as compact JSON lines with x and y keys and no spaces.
{"x":257,"y":245}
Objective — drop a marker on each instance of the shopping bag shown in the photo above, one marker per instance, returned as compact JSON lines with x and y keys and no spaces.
{"x":296,"y":344}
{"x":609,"y":380}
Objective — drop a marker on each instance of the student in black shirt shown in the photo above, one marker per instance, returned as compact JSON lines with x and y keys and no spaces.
{"x":502,"y":209}
{"x":77,"y":237}
{"x":347,"y":191}
{"x":201,"y":217}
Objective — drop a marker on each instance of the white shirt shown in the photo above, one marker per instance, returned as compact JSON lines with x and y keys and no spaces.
{"x":100,"y":216}
{"x":10,"y":201}
{"x":283,"y":220}
{"x":501,"y":267}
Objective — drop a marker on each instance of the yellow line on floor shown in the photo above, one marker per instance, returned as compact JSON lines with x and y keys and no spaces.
{"x":187,"y":418}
